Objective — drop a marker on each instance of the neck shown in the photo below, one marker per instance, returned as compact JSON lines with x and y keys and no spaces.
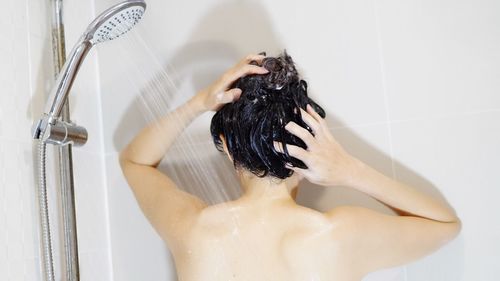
{"x":267,"y":189}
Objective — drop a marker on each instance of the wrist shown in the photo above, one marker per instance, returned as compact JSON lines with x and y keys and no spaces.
{"x":197,"y":104}
{"x":359,"y":170}
{"x":365,"y":178}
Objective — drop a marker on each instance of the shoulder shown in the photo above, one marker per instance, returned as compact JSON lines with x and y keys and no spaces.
{"x":349,"y":222}
{"x":346,"y":214}
{"x":216,"y":218}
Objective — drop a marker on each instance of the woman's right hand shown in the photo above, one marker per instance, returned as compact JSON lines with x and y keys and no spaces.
{"x":328,"y":163}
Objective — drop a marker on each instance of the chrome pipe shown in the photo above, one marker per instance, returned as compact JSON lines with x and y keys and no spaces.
{"x":65,"y":160}
{"x":59,"y":94}
{"x":65,"y":153}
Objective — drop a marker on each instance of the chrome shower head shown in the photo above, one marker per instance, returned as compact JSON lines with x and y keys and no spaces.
{"x":109,"y":25}
{"x":115,"y":21}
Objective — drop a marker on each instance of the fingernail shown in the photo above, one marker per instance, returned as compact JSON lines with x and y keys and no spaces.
{"x":277,"y":145}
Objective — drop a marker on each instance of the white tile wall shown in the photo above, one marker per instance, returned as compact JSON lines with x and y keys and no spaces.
{"x":26,"y":76}
{"x":440,"y":57}
{"x":410,"y":87}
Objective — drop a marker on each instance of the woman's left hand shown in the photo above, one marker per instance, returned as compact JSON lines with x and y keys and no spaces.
{"x":216,"y":95}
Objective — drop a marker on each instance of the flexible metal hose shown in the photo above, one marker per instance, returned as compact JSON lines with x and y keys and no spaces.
{"x":44,"y":214}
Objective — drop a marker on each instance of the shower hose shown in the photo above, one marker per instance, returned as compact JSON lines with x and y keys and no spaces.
{"x":44,"y":214}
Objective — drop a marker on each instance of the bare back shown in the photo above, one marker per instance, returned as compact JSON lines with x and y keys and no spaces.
{"x":235,"y":241}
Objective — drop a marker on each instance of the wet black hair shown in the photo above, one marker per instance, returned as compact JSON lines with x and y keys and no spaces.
{"x":251,"y":124}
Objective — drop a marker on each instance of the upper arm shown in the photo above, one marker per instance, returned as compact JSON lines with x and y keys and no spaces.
{"x":169,"y":209}
{"x":378,"y":241}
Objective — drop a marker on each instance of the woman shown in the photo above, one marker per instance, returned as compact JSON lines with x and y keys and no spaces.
{"x":275,"y":136}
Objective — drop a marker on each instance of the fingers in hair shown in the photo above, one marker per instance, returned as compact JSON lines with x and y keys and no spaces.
{"x":300,"y":132}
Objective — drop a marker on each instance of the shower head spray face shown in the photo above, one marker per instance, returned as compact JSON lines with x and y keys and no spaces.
{"x":115,"y":21}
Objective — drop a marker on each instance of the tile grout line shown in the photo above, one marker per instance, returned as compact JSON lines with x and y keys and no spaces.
{"x":435,"y":117}
{"x":355,"y":126}
{"x":360,"y":125}
{"x":445,"y":116}
{"x":384,"y":85}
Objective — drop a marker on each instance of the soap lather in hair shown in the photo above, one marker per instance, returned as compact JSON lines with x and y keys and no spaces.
{"x":252,"y":123}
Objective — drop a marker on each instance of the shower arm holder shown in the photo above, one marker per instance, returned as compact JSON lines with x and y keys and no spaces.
{"x":59,"y":132}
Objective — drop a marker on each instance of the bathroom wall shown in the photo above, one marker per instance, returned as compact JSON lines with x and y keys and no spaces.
{"x":26,"y":73}
{"x":409,"y":87}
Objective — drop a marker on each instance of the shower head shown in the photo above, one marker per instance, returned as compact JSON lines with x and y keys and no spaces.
{"x":115,"y":21}
{"x":109,"y":25}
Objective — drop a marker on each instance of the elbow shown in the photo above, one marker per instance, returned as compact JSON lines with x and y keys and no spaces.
{"x":126,"y":158}
{"x":455,"y":227}
{"x":123,"y":158}
{"x":457,"y":223}
{"x":458,"y":226}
